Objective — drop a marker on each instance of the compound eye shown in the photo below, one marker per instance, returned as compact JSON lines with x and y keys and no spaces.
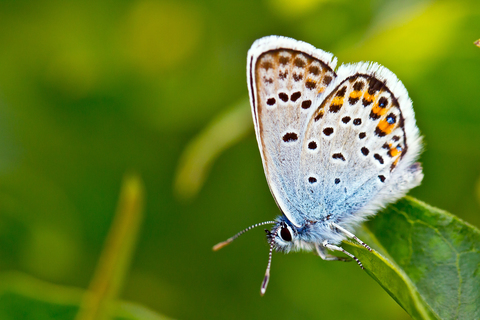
{"x":285,"y":234}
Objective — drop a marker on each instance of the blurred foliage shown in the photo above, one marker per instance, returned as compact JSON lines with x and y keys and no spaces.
{"x":117,"y":253}
{"x":194,"y":165}
{"x":92,"y":89}
{"x":23,"y":297}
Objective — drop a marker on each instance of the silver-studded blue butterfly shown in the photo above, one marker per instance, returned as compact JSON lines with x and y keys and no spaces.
{"x":335,"y":146}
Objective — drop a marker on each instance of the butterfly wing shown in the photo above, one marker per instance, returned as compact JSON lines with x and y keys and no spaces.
{"x":360,"y":146}
{"x":286,"y":79}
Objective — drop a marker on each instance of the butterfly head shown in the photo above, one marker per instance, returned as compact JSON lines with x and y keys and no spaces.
{"x":283,"y":235}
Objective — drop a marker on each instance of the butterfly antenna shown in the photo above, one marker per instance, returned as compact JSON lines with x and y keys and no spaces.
{"x":220,"y":245}
{"x":267,"y":273}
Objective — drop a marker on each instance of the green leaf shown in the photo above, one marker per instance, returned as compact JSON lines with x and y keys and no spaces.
{"x":116,"y":255}
{"x":433,"y":269}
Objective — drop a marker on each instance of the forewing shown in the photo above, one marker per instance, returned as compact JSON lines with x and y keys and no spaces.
{"x":360,"y":146}
{"x":287,"y":80}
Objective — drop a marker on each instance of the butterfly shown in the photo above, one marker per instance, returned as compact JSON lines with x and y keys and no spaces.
{"x":336,"y":146}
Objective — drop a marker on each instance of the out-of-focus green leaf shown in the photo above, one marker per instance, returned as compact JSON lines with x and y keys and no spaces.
{"x":435,"y":273}
{"x":117,"y":253}
{"x":225,"y":130}
{"x":24,"y":297}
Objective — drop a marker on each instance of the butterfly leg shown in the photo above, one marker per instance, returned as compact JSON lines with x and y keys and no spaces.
{"x":333,"y":247}
{"x":350,"y":235}
{"x":322,"y":252}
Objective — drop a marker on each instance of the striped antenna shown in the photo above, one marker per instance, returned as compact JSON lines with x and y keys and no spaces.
{"x":220,"y":245}
{"x":263,"y":288}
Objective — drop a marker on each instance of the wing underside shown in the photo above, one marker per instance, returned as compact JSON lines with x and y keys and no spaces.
{"x":330,"y":144}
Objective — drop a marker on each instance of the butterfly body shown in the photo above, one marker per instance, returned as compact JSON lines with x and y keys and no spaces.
{"x":336,"y":146}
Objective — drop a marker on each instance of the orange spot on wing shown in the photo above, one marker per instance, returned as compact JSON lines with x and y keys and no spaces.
{"x":394,"y":152}
{"x":321,"y":90}
{"x":386,"y":127}
{"x":337,"y":101}
{"x":379,"y":110}
{"x":355,"y":94}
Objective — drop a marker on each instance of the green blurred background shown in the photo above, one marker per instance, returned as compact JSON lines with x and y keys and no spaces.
{"x":90,"y":90}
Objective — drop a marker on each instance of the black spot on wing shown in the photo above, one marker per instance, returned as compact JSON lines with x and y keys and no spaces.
{"x":327,"y":80}
{"x":310,"y":84}
{"x":383,"y":102}
{"x":338,"y":156}
{"x":374,"y":85}
{"x":334,"y":108}
{"x":283,"y":60}
{"x":328,"y":131}
{"x":378,"y":157}
{"x":341,"y":92}
{"x":314,"y":70}
{"x":290,"y":137}
{"x":295,"y":96}
{"x":306,"y":104}
{"x":312,"y":145}
{"x":358,"y":85}
{"x":297,"y":77}
{"x":299,"y":63}
{"x":379,"y":132}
